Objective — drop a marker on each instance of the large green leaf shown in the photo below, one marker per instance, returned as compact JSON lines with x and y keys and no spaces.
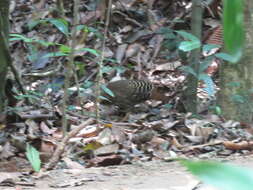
{"x":192,"y":43}
{"x":14,"y":37}
{"x":61,"y":24}
{"x":227,"y":57}
{"x":208,"y":82}
{"x":233,"y":28}
{"x":222,"y":176}
{"x":34,"y":157}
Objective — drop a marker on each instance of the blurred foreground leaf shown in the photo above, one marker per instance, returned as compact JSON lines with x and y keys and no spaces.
{"x":34,"y":157}
{"x":233,"y":27}
{"x":222,"y":176}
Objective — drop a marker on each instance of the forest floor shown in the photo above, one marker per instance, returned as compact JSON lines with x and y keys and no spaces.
{"x":147,"y":47}
{"x":149,"y":175}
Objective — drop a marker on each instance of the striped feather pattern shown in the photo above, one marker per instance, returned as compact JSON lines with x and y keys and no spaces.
{"x":128,"y":93}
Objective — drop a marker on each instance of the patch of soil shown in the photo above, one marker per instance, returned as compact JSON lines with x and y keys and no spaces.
{"x":148,"y":175}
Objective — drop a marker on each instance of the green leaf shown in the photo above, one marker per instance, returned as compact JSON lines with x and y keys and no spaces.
{"x":14,"y":37}
{"x":188,"y":69}
{"x":204,"y":65}
{"x":188,"y":36}
{"x":189,"y":45}
{"x":192,"y":44}
{"x":60,"y":24}
{"x":218,"y":110}
{"x":221,"y":176}
{"x":97,"y":33}
{"x":107,"y":90}
{"x":34,"y":157}
{"x":209,"y":47}
{"x":167,"y":33}
{"x":33,"y":53}
{"x":250,"y":90}
{"x":65,"y":49}
{"x":72,"y":108}
{"x":107,"y":69}
{"x":233,"y":28}
{"x":80,"y":27}
{"x":87,"y":84}
{"x":234,"y":84}
{"x":31,"y":24}
{"x":104,"y":98}
{"x":55,"y":54}
{"x":226,"y":57}
{"x":20,"y":37}
{"x":168,"y":106}
{"x":44,"y":43}
{"x":209,"y":83}
{"x":238,"y":99}
{"x":21,"y":97}
{"x":30,"y":94}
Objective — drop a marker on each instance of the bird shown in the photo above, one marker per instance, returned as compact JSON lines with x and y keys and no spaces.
{"x":127,"y":93}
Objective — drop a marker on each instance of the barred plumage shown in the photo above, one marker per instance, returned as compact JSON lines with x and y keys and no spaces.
{"x":128,"y":93}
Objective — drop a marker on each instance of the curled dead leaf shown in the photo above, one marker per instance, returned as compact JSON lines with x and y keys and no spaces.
{"x":244,"y":145}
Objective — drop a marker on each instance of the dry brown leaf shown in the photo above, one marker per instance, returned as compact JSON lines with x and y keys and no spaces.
{"x":243,"y":145}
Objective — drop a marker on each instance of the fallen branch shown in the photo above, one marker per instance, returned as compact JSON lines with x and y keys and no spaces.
{"x":61,"y":146}
{"x":203,"y":145}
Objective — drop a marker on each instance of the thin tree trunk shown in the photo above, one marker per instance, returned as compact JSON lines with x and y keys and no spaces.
{"x":4,"y":31}
{"x":190,"y":94}
{"x":236,"y":96}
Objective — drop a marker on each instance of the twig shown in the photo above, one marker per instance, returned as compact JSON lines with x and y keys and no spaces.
{"x":69,"y":67}
{"x":104,"y":121}
{"x":60,"y":7}
{"x":61,"y":146}
{"x":45,"y":74}
{"x":9,"y":62}
{"x":202,"y":145}
{"x":100,"y":64}
{"x":37,"y":116}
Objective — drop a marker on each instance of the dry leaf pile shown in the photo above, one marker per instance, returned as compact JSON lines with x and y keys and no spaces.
{"x":141,"y":43}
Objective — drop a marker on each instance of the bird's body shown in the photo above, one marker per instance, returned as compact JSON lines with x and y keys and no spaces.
{"x":128,"y":93}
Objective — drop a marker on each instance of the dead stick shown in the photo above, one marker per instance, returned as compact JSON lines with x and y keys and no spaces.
{"x":61,"y":146}
{"x":203,"y":145}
